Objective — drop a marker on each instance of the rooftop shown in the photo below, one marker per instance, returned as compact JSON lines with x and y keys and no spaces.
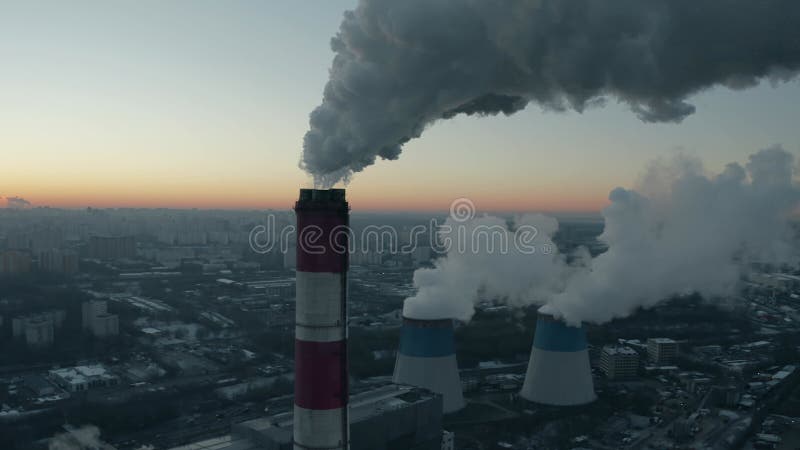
{"x":612,"y":350}
{"x":82,"y":374}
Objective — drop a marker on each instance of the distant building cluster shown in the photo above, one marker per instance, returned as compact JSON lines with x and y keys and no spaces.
{"x":59,"y":261}
{"x":107,"y":248}
{"x":14,"y":262}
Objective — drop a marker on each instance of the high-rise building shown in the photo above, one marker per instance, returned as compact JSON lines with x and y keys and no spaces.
{"x":90,"y":310}
{"x":662,"y":351}
{"x":96,"y":320}
{"x":105,"y":325}
{"x":39,"y":331}
{"x":619,"y":363}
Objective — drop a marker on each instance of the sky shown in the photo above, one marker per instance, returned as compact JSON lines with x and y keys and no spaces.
{"x":204,"y":104}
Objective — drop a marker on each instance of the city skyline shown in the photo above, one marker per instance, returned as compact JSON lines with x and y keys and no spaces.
{"x":167,"y":105}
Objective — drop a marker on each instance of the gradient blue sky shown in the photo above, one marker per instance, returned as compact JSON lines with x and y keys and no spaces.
{"x":205,"y":103}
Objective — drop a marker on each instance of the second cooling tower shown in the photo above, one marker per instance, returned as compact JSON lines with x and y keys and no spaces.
{"x":427,"y":359}
{"x":558,"y":372}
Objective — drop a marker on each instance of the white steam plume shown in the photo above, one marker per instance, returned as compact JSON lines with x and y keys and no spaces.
{"x":402,"y":65}
{"x":516,"y":274}
{"x":681,"y":231}
{"x":86,"y":437}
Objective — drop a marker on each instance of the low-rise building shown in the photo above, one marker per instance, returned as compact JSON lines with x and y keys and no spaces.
{"x":83,"y":378}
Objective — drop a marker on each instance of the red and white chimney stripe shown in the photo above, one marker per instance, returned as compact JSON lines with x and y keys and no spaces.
{"x":321,"y":377}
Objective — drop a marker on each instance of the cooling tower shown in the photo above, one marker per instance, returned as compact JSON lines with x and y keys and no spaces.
{"x":427,"y":359}
{"x":558,"y":371}
{"x":320,"y":352}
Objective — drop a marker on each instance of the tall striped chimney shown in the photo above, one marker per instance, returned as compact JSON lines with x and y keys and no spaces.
{"x":320,"y":351}
{"x":558,"y":371}
{"x":427,"y":359}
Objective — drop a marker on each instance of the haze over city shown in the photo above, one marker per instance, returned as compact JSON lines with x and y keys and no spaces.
{"x":204,"y":105}
{"x":400,"y":225}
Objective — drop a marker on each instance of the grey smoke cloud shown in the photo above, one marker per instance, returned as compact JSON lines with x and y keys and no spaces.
{"x":17,"y":203}
{"x":681,"y":230}
{"x":399,"y":66}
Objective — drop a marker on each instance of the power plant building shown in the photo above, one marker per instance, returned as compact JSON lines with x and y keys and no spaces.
{"x":558,"y":373}
{"x":386,"y":418}
{"x":427,"y":359}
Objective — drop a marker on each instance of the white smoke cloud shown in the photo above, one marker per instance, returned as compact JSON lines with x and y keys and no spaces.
{"x":402,"y":65}
{"x":86,"y":437}
{"x":683,"y":232}
{"x":472,"y":270}
{"x":680,"y":231}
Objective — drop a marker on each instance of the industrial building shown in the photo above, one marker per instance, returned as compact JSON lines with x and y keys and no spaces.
{"x":619,"y":362}
{"x":558,"y":371}
{"x":386,"y":418}
{"x":320,"y":356}
{"x":662,"y":351}
{"x":427,"y":359}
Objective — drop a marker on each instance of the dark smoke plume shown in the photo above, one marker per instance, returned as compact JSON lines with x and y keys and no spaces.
{"x":402,"y":65}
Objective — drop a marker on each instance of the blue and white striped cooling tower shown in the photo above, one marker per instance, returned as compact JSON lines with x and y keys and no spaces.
{"x":427,"y":359}
{"x":558,"y":371}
